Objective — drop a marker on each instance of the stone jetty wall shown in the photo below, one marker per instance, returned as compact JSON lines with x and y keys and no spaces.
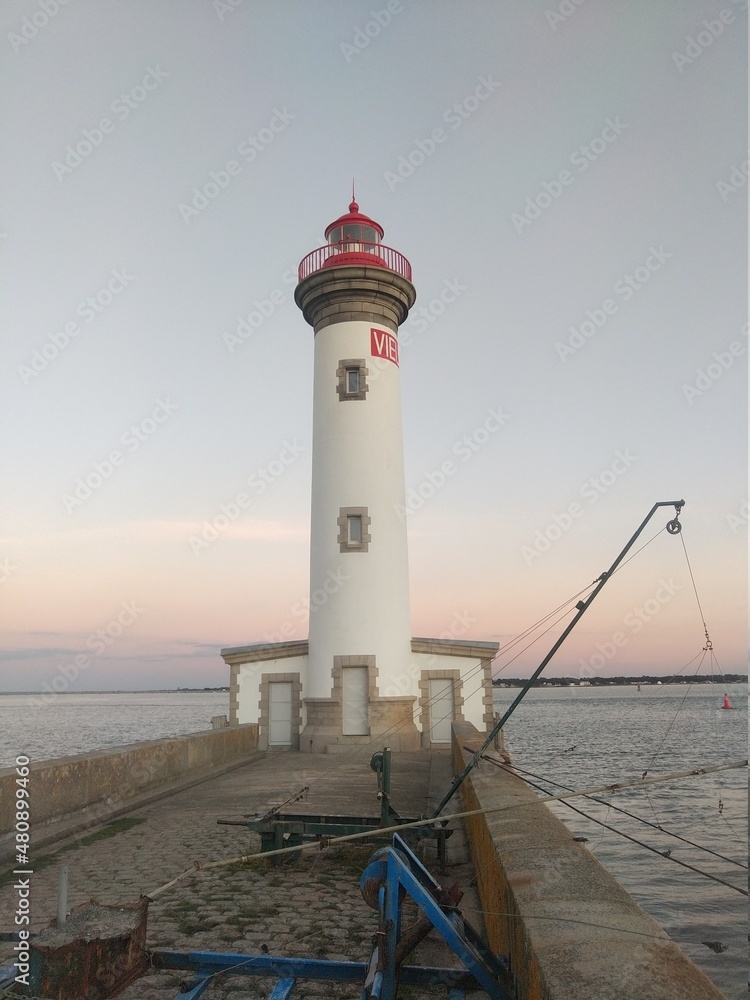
{"x":570,"y":929}
{"x":87,"y":789}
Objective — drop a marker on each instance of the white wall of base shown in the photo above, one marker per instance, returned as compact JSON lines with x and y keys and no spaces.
{"x":472,"y":676}
{"x":467,"y":663}
{"x":248,"y":706}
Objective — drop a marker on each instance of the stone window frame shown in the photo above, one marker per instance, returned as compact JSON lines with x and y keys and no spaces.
{"x":337,"y":689}
{"x":425,"y":716}
{"x":234,"y":693}
{"x":343,"y":536}
{"x":264,"y":717}
{"x":346,"y":365}
{"x":487,"y":689}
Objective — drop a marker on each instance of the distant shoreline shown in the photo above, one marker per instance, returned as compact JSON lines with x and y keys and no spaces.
{"x":213,"y":690}
{"x":508,"y":682}
{"x":652,"y":680}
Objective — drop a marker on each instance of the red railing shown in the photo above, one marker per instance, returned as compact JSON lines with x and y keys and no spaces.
{"x":354,"y":252}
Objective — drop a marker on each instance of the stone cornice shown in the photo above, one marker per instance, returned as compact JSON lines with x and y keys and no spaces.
{"x":355,"y":292}
{"x":264,"y":651}
{"x":278,"y":650}
{"x":455,"y":647}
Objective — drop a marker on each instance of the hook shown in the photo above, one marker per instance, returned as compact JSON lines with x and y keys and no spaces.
{"x":674,"y":527}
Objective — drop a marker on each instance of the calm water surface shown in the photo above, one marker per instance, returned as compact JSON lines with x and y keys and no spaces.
{"x":78,"y":723}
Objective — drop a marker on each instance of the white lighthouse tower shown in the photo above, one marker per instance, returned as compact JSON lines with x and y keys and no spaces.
{"x":355,"y":292}
{"x":359,"y":677}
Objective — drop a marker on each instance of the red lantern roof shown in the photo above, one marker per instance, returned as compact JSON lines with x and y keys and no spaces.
{"x":354,"y":239}
{"x":353,"y":217}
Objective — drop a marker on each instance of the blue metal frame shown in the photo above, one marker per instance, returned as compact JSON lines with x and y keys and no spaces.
{"x":213,"y":962}
{"x":398,"y":870}
{"x":8,"y":976}
{"x":392,"y":873}
{"x":197,"y":988}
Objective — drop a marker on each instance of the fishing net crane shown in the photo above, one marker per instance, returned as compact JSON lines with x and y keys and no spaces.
{"x":674,"y":527}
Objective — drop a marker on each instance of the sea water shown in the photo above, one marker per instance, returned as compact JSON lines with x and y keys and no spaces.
{"x":44,"y":728}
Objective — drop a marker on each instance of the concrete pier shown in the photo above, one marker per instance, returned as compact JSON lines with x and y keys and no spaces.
{"x":571,"y":931}
{"x":311,"y":907}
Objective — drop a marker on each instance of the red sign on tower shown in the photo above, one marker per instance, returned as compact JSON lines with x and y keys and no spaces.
{"x":383,"y":345}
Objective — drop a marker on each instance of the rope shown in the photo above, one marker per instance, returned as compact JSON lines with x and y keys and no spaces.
{"x":541,"y":621}
{"x":506,"y":648}
{"x":520,"y":651}
{"x":634,"y":840}
{"x":392,"y":730}
{"x":695,"y":591}
{"x":562,"y":920}
{"x":320,"y":845}
{"x":397,"y":726}
{"x":669,"y":727}
{"x":625,"y":812}
{"x":645,"y":544}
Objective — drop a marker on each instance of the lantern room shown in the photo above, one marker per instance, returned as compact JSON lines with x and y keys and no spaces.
{"x":354,"y":238}
{"x":354,"y":228}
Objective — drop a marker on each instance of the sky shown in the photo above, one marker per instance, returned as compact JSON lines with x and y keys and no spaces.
{"x":569,"y":182}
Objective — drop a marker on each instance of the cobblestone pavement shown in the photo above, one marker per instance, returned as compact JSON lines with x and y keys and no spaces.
{"x":309,"y":907}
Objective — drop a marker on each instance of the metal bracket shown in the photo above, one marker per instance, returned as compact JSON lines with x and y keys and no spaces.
{"x":392,"y":872}
{"x":396,"y":870}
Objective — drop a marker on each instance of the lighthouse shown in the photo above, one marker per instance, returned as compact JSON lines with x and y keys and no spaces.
{"x":360,"y":677}
{"x":355,"y":292}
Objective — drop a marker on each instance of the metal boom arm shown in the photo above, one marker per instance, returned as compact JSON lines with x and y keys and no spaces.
{"x":673,"y":527}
